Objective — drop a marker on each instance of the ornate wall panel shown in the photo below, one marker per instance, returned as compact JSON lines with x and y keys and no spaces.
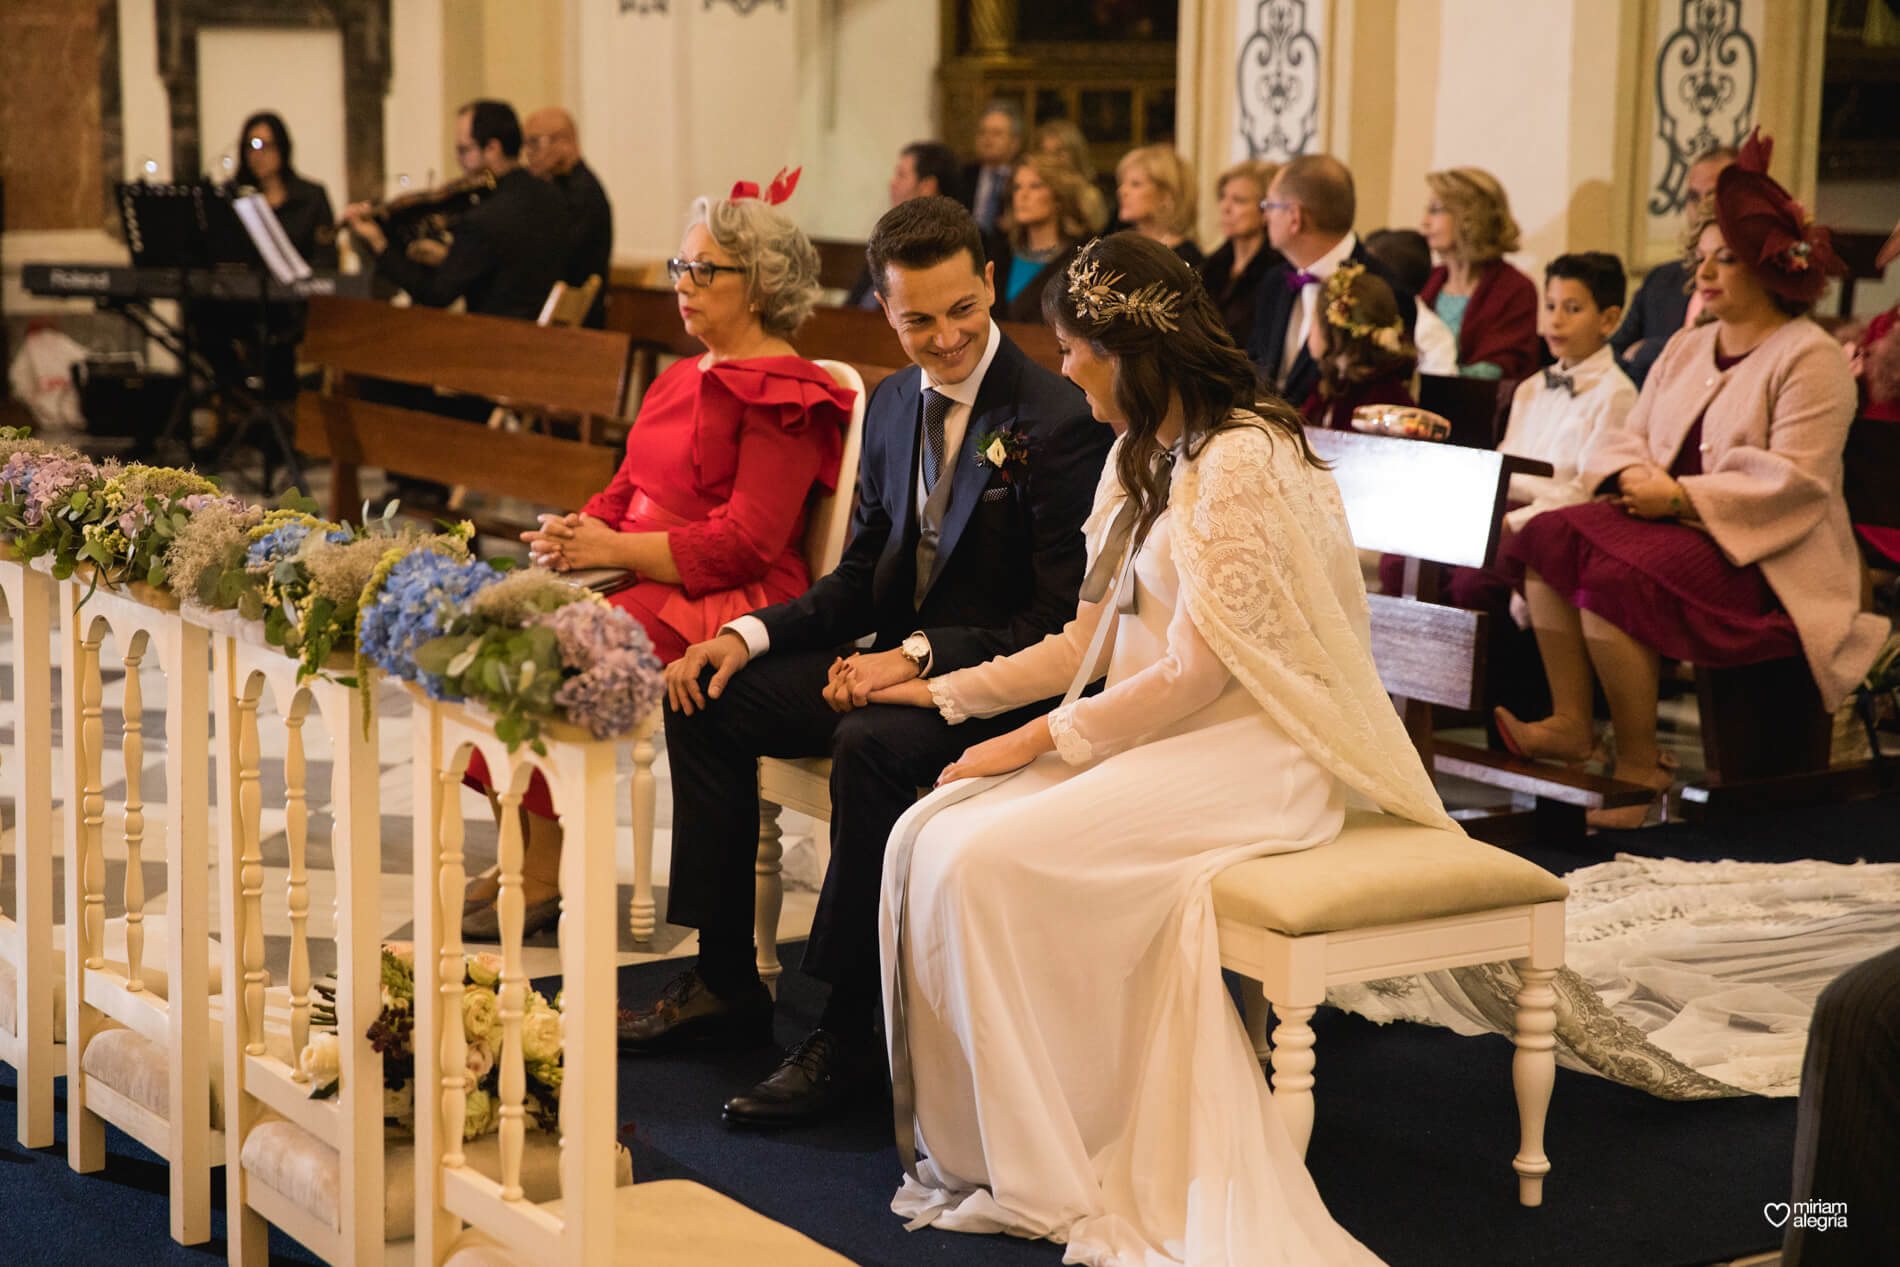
{"x":1278,"y":69}
{"x":1706,"y":64}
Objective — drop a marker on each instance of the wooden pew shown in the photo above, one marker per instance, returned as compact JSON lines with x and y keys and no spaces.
{"x":840,"y":263}
{"x":514,"y":363}
{"x":1442,"y":505}
{"x":1477,"y":408}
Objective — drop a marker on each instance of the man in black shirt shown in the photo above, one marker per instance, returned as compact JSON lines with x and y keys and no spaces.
{"x":507,"y":252}
{"x":551,"y":149}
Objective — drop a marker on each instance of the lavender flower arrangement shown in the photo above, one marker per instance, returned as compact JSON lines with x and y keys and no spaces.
{"x":613,"y":676}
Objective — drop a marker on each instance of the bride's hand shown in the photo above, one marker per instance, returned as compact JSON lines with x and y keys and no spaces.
{"x":915,"y":693}
{"x":1002,"y":754}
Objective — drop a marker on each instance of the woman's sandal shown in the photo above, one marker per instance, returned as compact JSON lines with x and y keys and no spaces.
{"x":1651,"y":813}
{"x":1515,"y":734}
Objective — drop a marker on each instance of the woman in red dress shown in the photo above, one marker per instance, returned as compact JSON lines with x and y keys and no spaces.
{"x":1722,"y":538}
{"x":708,"y":509}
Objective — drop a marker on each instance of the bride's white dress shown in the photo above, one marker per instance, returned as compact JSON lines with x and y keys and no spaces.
{"x":1079,"y":1070}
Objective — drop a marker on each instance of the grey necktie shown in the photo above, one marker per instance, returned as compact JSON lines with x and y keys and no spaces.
{"x":936,"y":409}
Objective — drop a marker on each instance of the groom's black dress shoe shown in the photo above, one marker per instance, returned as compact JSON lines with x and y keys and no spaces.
{"x":814,"y":1082}
{"x":689,"y":1014}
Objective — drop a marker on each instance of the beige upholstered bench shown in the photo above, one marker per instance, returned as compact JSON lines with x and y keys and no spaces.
{"x":1390,"y":898}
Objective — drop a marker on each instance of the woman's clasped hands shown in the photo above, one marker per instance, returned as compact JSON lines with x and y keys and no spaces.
{"x":1649,"y":492}
{"x":565,"y":543}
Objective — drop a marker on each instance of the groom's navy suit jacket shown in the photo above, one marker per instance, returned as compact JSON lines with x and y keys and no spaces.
{"x":1010,"y":552}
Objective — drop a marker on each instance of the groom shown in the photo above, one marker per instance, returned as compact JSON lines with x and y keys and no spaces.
{"x":954,"y":558}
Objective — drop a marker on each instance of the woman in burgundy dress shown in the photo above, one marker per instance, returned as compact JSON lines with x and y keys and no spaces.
{"x":708,"y":509}
{"x":1720,"y":536}
{"x":1490,"y":307}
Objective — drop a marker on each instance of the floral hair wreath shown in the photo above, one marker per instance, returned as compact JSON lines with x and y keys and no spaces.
{"x":1096,"y":299}
{"x":1343,"y":314}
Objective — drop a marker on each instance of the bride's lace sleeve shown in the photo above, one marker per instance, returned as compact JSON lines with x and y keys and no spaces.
{"x":1041,"y":669}
{"x":1038,"y":671}
{"x":1189,"y":677}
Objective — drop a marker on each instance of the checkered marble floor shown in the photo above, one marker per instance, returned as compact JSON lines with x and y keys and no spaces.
{"x":803,"y":864}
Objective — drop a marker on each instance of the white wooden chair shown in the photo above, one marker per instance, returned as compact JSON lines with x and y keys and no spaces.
{"x":466,"y":1217}
{"x":802,"y":784}
{"x":313,"y":1167}
{"x":138,"y":1042}
{"x":31,"y":968}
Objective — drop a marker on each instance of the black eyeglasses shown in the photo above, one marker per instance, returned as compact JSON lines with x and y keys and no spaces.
{"x":703,"y":271}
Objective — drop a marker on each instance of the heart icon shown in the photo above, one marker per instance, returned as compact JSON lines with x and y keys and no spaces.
{"x":1776,"y":1212}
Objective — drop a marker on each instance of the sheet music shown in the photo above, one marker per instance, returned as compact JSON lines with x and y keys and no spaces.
{"x":267,"y":235}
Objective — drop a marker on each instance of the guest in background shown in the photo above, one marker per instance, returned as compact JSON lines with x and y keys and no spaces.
{"x":1725,"y":541}
{"x":1360,"y":347}
{"x":708,"y":509}
{"x":1232,"y":273}
{"x":1154,"y":189}
{"x":925,"y":169}
{"x":999,"y":140}
{"x":1309,"y":210}
{"x":1040,"y":233}
{"x":508,"y":251}
{"x":1489,"y":305}
{"x":1874,"y":353}
{"x":302,"y":206}
{"x":1661,"y":306}
{"x":1059,"y":138}
{"x":1404,"y":253}
{"x":551,"y":148}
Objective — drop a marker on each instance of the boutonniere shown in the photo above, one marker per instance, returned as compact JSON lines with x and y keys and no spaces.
{"x":1005,"y":450}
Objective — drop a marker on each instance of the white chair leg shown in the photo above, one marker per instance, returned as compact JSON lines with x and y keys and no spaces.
{"x":1253,"y":997}
{"x":1293,"y":1073}
{"x":640,"y":913}
{"x":1533,"y":1074}
{"x":768,"y":895}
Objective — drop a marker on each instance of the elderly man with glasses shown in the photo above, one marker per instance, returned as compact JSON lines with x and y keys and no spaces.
{"x":550,"y":147}
{"x":1661,"y":306}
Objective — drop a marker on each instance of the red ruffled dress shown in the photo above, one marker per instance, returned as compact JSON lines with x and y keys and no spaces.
{"x":1664,"y":583}
{"x":724,"y":460}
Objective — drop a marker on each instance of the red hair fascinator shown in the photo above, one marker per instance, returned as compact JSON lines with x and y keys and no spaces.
{"x":778,"y":191}
{"x":1769,"y":230}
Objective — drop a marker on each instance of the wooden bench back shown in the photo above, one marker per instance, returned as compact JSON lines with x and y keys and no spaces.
{"x":1473,"y":406}
{"x":1437,"y":505}
{"x":515,"y":363}
{"x":1870,"y":479}
{"x":840,"y":263}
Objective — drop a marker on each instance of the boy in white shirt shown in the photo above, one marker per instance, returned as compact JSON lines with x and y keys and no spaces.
{"x":1561,"y":414}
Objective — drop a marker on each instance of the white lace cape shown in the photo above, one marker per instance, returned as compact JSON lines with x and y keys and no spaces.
{"x":1271,"y":580}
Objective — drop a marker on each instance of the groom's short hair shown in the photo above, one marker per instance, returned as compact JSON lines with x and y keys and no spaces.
{"x":922,"y":233}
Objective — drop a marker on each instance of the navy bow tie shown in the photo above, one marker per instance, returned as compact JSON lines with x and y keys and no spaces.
{"x":1301,"y":280}
{"x":1553,"y":379}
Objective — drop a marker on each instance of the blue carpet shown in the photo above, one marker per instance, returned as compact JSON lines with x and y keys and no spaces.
{"x":1412,"y":1140}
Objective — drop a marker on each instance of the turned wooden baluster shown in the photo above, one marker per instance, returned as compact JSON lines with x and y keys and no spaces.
{"x":641,"y":915}
{"x":134,"y":742}
{"x":250,"y":808}
{"x":509,"y":904}
{"x":768,"y":894}
{"x":92,"y":803}
{"x":296,"y":834}
{"x":452,"y":1058}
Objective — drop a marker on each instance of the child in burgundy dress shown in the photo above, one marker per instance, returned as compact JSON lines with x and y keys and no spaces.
{"x":1359,"y":343}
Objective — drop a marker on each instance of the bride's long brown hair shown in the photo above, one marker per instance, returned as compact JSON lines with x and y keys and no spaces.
{"x":1195,"y":361}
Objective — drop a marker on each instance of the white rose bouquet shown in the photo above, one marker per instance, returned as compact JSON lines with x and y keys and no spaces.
{"x":393,"y":1035}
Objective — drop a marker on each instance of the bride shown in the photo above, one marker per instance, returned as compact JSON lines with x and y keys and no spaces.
{"x":1063,"y":1050}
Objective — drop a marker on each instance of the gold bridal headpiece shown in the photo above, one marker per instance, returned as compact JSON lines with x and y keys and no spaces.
{"x":1096,"y":299}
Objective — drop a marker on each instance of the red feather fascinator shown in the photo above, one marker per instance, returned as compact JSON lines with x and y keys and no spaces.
{"x":778,"y":191}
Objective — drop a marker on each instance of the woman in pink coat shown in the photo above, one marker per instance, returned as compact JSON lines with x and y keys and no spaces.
{"x":1719,"y":536}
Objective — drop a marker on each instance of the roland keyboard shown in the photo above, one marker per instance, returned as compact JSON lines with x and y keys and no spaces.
{"x":127,"y":283}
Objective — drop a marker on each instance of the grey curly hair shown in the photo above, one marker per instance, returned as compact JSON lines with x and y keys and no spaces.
{"x":780,"y":263}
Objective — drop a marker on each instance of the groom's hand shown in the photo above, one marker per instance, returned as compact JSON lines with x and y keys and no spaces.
{"x":725,"y":655}
{"x":875,"y":671}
